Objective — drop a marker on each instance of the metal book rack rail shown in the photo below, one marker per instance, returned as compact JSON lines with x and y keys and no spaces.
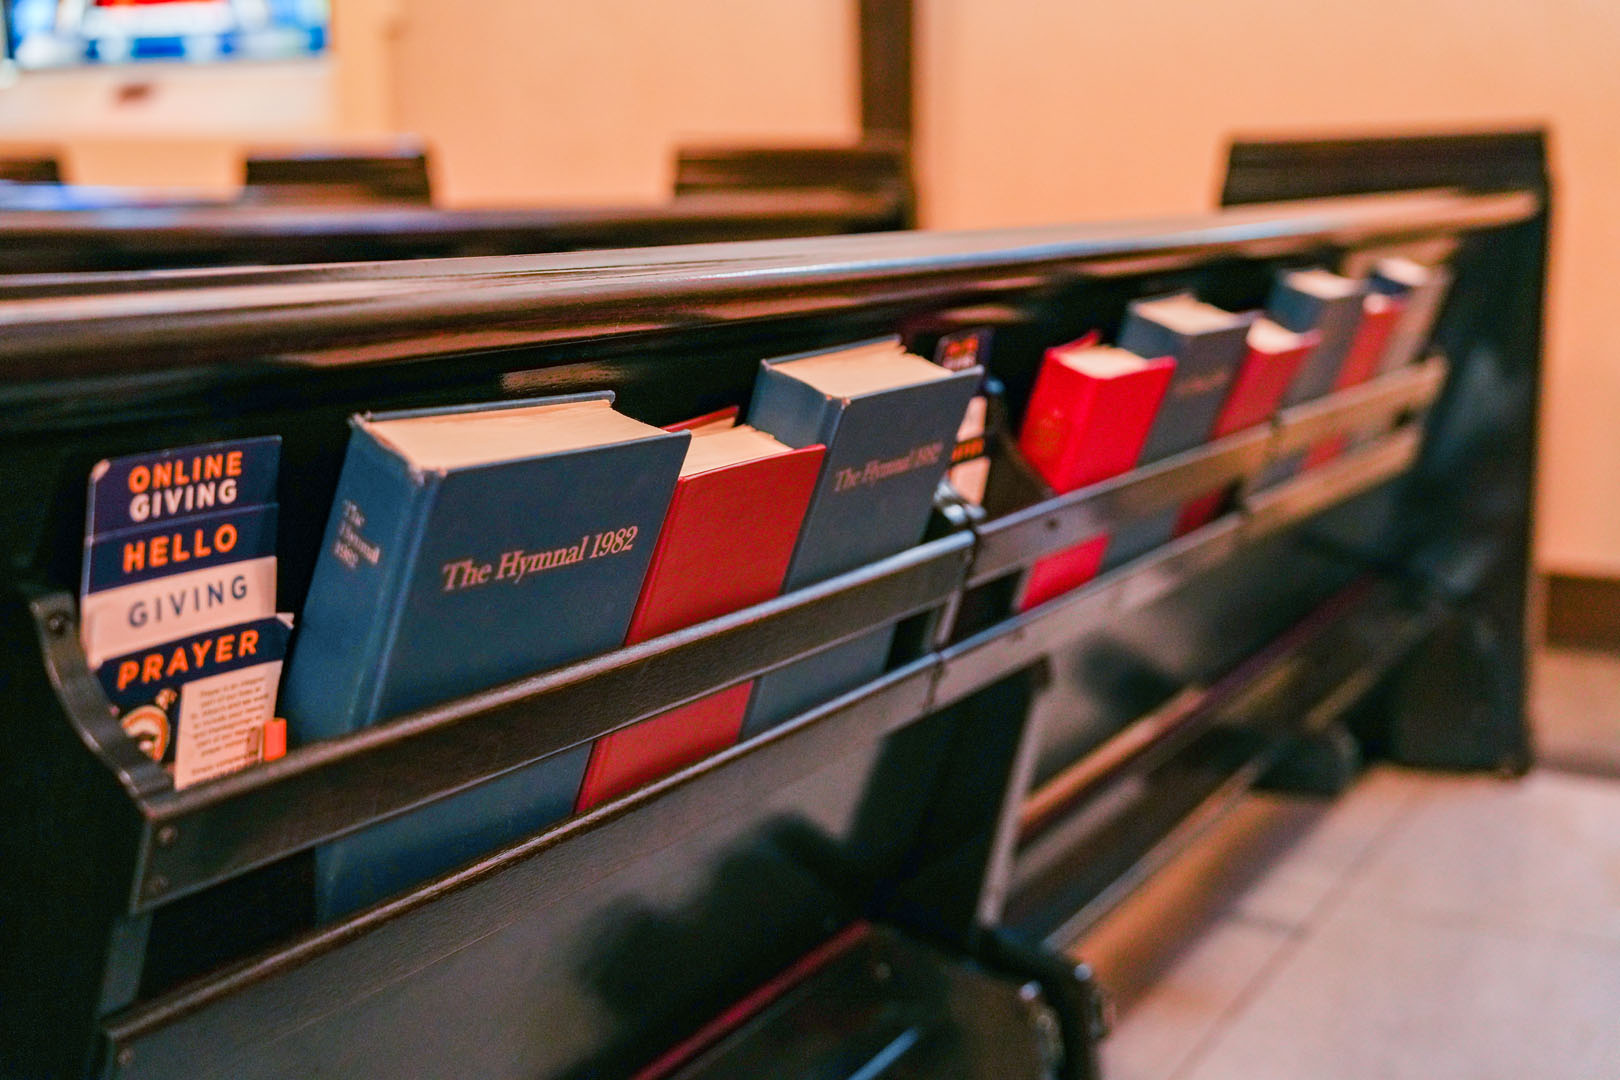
{"x":1085,"y":844}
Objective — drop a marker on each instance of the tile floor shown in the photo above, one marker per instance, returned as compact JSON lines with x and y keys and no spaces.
{"x":1421,"y":926}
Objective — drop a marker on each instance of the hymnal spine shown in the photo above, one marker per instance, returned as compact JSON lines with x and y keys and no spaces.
{"x":1423,"y":289}
{"x":353,"y":608}
{"x":1334,"y":319}
{"x":1380,"y":317}
{"x":886,"y":453}
{"x":1207,"y":364}
{"x":1262,"y":381}
{"x":1333,"y":310}
{"x":1257,"y":393}
{"x":725,"y":545}
{"x":1080,"y":429}
{"x":435,"y":583}
{"x":726,"y":541}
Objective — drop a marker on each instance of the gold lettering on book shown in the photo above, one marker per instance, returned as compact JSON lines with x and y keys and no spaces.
{"x":1203,"y":384}
{"x":516,"y":565}
{"x":351,"y":548}
{"x":879,"y":469}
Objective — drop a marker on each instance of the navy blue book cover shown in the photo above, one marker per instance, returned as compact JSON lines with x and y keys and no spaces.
{"x":397,"y":854}
{"x":1140,"y":536}
{"x":1331,"y":304}
{"x":1208,"y":345}
{"x":1319,"y":300}
{"x":886,"y":452}
{"x":1423,"y":289}
{"x":434,"y":583}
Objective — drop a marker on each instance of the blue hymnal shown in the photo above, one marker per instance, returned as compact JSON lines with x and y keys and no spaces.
{"x":889,"y":421}
{"x":1331,"y":305}
{"x":465,"y":548}
{"x":1207,"y":344}
{"x":1319,"y":300}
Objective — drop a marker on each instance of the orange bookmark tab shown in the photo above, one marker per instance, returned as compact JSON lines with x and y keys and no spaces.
{"x":275,"y":740}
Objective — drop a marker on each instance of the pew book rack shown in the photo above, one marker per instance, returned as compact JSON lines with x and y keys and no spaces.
{"x":1008,"y":778}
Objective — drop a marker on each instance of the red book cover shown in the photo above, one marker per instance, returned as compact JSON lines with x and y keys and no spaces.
{"x":1089,"y":414}
{"x":1274,"y":358}
{"x":662,"y":744}
{"x":719,"y":420}
{"x":1379,"y":317}
{"x":1325,"y":451}
{"x":725,"y":545}
{"x":1068,"y":569}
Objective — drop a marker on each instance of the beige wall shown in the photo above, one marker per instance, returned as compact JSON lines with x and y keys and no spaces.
{"x":168,"y":125}
{"x":522,"y":102}
{"x":1036,"y":110}
{"x":585,"y":102}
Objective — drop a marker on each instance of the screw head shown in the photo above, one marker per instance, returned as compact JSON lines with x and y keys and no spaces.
{"x":156,"y":885}
{"x":167,"y":835}
{"x":56,"y":623}
{"x":125,"y":1056}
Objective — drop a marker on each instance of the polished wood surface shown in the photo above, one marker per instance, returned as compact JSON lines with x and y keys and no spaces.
{"x":432,"y":306}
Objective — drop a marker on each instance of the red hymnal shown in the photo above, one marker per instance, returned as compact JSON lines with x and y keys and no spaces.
{"x":1088,"y":416}
{"x":720,"y":420}
{"x":1274,"y":358}
{"x":1379,"y":316}
{"x":725,"y":545}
